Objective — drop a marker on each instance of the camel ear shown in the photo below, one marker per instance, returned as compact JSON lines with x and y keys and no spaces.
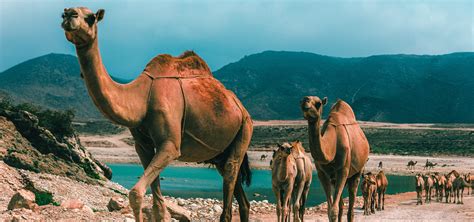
{"x":99,"y":14}
{"x":324,"y":101}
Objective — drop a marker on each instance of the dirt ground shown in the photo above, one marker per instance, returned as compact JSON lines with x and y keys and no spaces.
{"x":400,"y":207}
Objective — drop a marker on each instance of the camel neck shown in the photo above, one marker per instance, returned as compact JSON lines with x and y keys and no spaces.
{"x":283,"y":168}
{"x":119,"y":103}
{"x":322,"y":148}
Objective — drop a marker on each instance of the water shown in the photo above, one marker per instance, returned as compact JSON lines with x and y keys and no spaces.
{"x":187,"y":182}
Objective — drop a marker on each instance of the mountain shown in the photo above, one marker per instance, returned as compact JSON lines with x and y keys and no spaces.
{"x":392,"y":88}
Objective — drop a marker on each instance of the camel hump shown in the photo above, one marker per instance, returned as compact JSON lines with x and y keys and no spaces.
{"x":341,"y":113}
{"x":189,"y":64}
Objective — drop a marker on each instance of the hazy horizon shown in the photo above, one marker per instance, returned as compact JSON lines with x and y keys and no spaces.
{"x":224,"y":32}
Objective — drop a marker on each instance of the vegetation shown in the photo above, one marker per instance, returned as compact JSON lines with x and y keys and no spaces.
{"x":100,"y":127}
{"x":44,"y":198}
{"x":57,"y":122}
{"x":382,"y":140}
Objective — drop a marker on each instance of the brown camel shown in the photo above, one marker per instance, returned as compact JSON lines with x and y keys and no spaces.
{"x":284,"y":171}
{"x":263,"y":157}
{"x":175,"y":109}
{"x":449,"y":191}
{"x":469,"y":179}
{"x":302,"y":181}
{"x":428,"y":187}
{"x":411,"y":165}
{"x":382,"y":184}
{"x":459,"y":184}
{"x":369,"y":192}
{"x":340,"y":151}
{"x":440,"y":184}
{"x":420,"y":186}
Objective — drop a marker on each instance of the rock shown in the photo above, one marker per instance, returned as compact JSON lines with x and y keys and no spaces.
{"x":116,"y":203}
{"x":72,"y":204}
{"x":265,"y":201}
{"x":181,"y":202}
{"x":178,"y":212}
{"x":217,"y":208}
{"x":23,"y":199}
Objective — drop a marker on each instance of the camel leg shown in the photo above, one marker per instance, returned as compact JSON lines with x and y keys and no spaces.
{"x":286,"y":201}
{"x":239,"y":194}
{"x":341,"y":207}
{"x":304,"y":197}
{"x":327,"y":186}
{"x":297,"y":199}
{"x":341,"y":178}
{"x":277,"y":193}
{"x":352,"y":186}
{"x":166,"y":152}
{"x":231,"y":167}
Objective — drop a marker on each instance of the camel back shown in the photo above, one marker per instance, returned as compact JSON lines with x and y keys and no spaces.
{"x":341,"y":114}
{"x":189,"y":65}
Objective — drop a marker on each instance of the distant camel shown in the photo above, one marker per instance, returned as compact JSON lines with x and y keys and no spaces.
{"x":458,"y":186}
{"x":428,"y":187}
{"x":449,"y":191}
{"x":469,"y":179}
{"x":382,"y":184}
{"x":440,"y":183}
{"x":263,"y":157}
{"x":283,"y":179}
{"x":369,"y":192}
{"x":429,"y":165}
{"x":411,"y":165}
{"x":420,"y":185}
{"x":380,"y":165}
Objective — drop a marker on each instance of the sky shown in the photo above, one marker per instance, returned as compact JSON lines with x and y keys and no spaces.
{"x":221,"y":32}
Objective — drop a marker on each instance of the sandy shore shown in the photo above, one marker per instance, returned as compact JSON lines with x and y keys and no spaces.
{"x":114,"y":149}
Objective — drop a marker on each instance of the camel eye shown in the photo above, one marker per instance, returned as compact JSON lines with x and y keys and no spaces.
{"x":318,"y":104}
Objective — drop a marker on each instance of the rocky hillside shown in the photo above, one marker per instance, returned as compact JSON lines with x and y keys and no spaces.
{"x":24,"y":144}
{"x":393,"y":88}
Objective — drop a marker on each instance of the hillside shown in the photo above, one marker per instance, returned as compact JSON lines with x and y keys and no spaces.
{"x":52,"y":81}
{"x":392,"y":88}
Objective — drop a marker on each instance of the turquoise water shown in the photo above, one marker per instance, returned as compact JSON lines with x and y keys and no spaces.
{"x":186,"y":182}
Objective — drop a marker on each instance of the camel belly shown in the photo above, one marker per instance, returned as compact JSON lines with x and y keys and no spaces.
{"x":212,"y":119}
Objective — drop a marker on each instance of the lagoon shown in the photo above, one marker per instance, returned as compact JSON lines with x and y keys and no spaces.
{"x":193,"y":182}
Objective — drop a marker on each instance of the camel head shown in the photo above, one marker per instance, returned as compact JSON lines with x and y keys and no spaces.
{"x":80,"y":24}
{"x":312,"y":107}
{"x":284,"y":150}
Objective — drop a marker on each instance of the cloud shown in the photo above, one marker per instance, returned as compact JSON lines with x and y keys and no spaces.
{"x":133,"y":32}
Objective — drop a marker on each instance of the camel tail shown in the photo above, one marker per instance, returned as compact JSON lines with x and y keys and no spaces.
{"x":244,"y":173}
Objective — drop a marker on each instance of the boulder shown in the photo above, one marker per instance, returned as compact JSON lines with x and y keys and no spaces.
{"x":177,"y":212}
{"x":72,"y":204}
{"x":23,"y":199}
{"x":116,"y":203}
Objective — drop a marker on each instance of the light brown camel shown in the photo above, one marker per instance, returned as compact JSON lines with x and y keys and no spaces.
{"x":411,"y":165}
{"x":428,"y":187}
{"x":382,"y":184}
{"x":469,"y":179}
{"x":302,"y":181}
{"x":175,"y":110}
{"x":369,"y":193}
{"x":420,"y":186}
{"x":449,"y":190}
{"x":440,"y":183}
{"x":339,"y":149}
{"x":284,"y":172}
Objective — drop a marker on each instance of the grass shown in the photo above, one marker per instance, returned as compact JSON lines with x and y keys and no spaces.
{"x":97,"y":128}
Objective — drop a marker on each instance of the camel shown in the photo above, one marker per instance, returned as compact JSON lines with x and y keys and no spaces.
{"x":428,"y":187}
{"x":339,"y":149}
{"x":380,"y":166}
{"x":302,"y":181}
{"x":458,"y":187}
{"x":263,"y":157}
{"x":284,"y":171}
{"x":382,"y":184}
{"x":411,"y":165}
{"x":429,"y":165}
{"x":369,"y":192}
{"x":469,"y":179}
{"x":449,"y":189}
{"x":420,"y":186}
{"x":440,"y":183}
{"x":175,"y":110}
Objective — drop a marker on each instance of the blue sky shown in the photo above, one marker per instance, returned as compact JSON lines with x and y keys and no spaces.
{"x":133,"y":32}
